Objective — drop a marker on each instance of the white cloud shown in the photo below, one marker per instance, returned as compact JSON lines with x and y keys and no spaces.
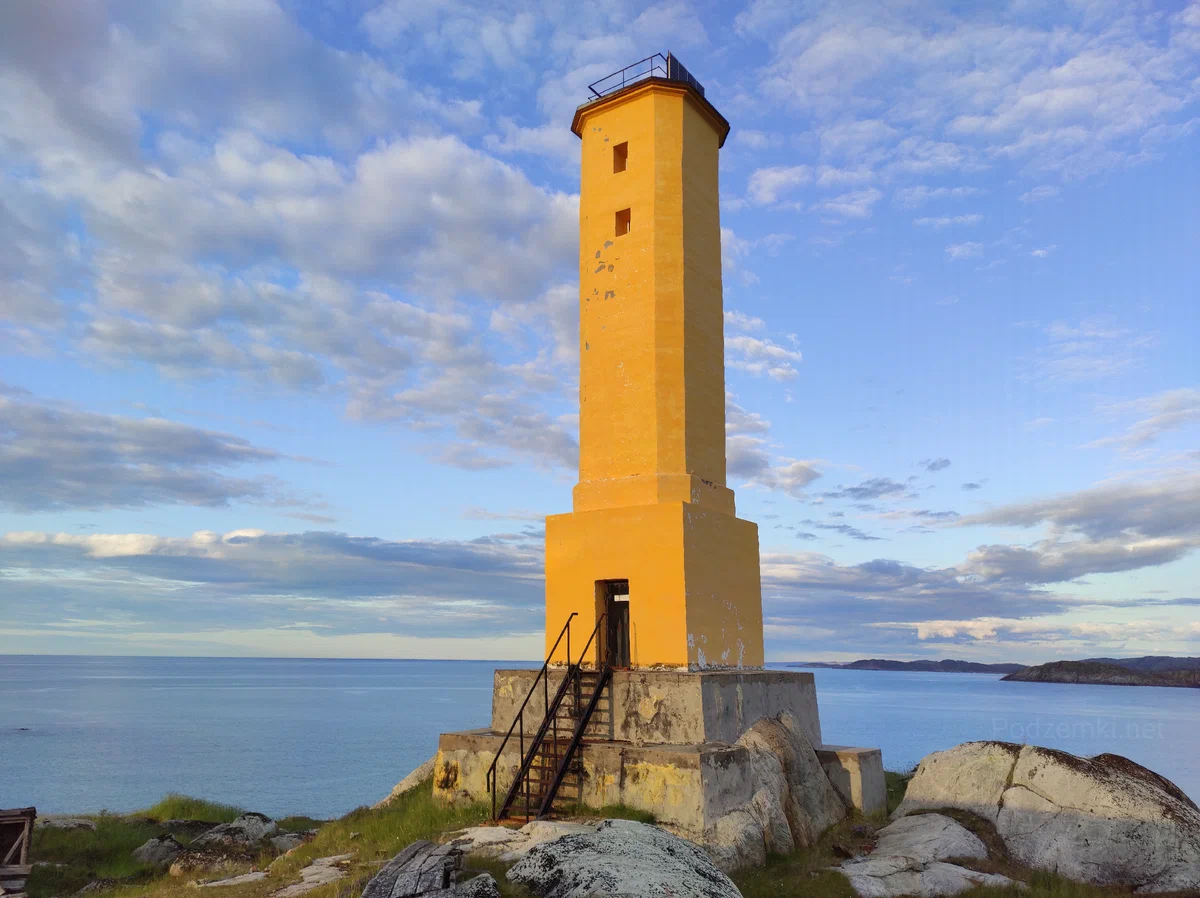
{"x":1044,"y":251}
{"x":856,"y":204}
{"x":945,"y":221}
{"x":968,"y":250}
{"x":767,"y":185}
{"x":1039,"y":193}
{"x":911,"y":197}
{"x":1161,"y":413}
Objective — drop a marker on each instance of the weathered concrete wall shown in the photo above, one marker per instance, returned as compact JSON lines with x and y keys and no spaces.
{"x":654,"y":707}
{"x":857,"y":774}
{"x":684,"y":786}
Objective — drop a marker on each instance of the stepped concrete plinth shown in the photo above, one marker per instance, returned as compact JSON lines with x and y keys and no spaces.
{"x":666,"y":747}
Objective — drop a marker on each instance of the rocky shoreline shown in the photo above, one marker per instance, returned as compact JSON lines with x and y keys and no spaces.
{"x":978,"y":816}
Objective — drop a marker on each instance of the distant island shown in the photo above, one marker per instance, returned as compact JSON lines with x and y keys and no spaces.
{"x":944,"y":666}
{"x":1149,"y":671}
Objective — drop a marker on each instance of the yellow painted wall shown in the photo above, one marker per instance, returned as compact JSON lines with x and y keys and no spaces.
{"x":652,"y":505}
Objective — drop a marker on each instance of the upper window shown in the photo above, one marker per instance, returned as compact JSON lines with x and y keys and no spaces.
{"x":620,"y":157}
{"x":622,"y":222}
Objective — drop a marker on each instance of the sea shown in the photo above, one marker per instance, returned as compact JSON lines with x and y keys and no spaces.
{"x":321,"y":737}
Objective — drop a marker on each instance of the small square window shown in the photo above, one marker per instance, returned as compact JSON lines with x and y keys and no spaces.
{"x":620,"y":157}
{"x":622,"y":222}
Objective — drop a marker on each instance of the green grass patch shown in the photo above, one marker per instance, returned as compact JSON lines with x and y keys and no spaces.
{"x":87,"y":855}
{"x":897,"y":784}
{"x":184,"y":807}
{"x":608,"y":812}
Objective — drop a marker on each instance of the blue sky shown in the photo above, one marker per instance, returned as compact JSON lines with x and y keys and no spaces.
{"x":288,"y":325}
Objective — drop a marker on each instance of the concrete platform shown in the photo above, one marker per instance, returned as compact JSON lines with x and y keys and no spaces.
{"x":653,"y":707}
{"x":665,"y":746}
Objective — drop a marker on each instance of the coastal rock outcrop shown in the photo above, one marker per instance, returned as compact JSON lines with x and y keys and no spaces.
{"x":245,"y":831}
{"x":160,"y":851}
{"x":621,"y":859}
{"x":792,"y":802}
{"x":321,"y":871}
{"x":55,"y":822}
{"x":1102,"y":820}
{"x":509,"y":845}
{"x":426,"y":869}
{"x":911,"y":858}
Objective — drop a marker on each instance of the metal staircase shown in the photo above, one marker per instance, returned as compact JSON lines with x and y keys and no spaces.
{"x":578,"y":707}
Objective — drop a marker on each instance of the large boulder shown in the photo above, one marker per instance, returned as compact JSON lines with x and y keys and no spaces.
{"x":792,"y":800}
{"x":160,"y":851}
{"x":911,"y":858}
{"x":621,"y":859}
{"x":246,"y":831}
{"x":1103,"y":820}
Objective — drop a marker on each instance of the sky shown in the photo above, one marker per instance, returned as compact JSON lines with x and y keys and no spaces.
{"x":289,"y":327}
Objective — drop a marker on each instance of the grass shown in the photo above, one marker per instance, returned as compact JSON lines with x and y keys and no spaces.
{"x":88,"y":855}
{"x":374,"y":836}
{"x":183,"y":807}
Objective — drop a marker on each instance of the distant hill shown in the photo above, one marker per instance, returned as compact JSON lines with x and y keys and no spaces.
{"x":1152,"y":663}
{"x":944,"y":666}
{"x":1149,"y":671}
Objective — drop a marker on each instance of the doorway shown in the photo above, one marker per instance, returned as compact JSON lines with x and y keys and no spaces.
{"x":616,"y":609}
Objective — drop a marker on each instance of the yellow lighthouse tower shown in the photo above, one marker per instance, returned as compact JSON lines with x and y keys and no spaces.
{"x":654,"y":635}
{"x":653,"y":543}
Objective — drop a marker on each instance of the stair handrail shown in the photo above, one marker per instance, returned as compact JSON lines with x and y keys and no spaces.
{"x":602,"y":672}
{"x":543,"y":675}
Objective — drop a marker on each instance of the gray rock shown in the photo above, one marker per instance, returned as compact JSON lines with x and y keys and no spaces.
{"x":410,"y":782}
{"x":321,"y":871}
{"x":509,"y":845}
{"x":160,"y":851}
{"x":930,"y":837}
{"x":246,"y":830}
{"x":64,"y":823}
{"x":285,"y":842}
{"x":482,"y":886}
{"x":257,"y":876}
{"x":792,"y":803}
{"x":620,"y":859}
{"x":1104,"y":820}
{"x":892,"y":876}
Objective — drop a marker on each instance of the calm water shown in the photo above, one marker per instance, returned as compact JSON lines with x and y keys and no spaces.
{"x":321,"y":737}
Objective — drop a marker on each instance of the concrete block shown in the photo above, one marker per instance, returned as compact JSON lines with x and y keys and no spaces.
{"x":857,"y":774}
{"x":655,"y":707}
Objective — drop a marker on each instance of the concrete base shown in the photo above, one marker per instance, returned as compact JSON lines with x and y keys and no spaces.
{"x":666,"y":707}
{"x":666,"y":747}
{"x":857,"y":774}
{"x":686,"y":787}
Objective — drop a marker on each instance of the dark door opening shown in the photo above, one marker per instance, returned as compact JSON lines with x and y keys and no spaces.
{"x":616,"y":607}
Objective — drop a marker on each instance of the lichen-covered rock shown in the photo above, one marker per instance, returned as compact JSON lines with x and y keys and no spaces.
{"x":621,"y":859}
{"x":240,"y":880}
{"x":160,"y":851}
{"x":246,"y":830}
{"x":208,"y":860}
{"x":910,"y":857}
{"x":1103,"y":820}
{"x":285,"y":842}
{"x":511,"y":844}
{"x":53,"y":822}
{"x":321,"y":871}
{"x":481,"y":886}
{"x":931,"y":837}
{"x":891,"y":876}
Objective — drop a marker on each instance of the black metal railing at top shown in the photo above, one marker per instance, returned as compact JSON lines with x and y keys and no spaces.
{"x":656,"y":66}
